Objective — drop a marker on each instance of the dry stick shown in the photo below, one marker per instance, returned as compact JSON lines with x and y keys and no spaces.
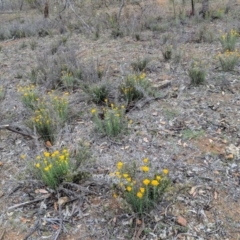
{"x":28,"y":203}
{"x":36,"y":224}
{"x":60,"y":216}
{"x":16,"y":130}
{"x":84,"y":23}
{"x":120,"y":9}
{"x":2,"y":234}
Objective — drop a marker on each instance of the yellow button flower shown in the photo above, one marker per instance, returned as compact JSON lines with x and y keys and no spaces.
{"x":125,"y":175}
{"x":165,"y":171}
{"x":145,"y":168}
{"x":142,"y":190}
{"x":46,"y":154}
{"x":146,"y":181}
{"x":145,"y":160}
{"x":129,"y":188}
{"x":119,"y":165}
{"x":37,"y":165}
{"x":158,"y":177}
{"x":139,"y":195}
{"x":154,"y":183}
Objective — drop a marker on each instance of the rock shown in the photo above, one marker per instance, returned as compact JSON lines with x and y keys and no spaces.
{"x":181,"y":221}
{"x":232,"y":151}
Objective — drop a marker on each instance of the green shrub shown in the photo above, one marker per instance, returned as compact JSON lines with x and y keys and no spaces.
{"x":134,"y":87}
{"x":167,"y":51}
{"x":197,"y":74}
{"x":51,"y":168}
{"x":228,"y":60}
{"x":140,"y":65}
{"x":113,"y":122}
{"x":29,"y":96}
{"x":97,"y":93}
{"x":49,"y":113}
{"x":142,"y":188}
{"x":229,"y":40}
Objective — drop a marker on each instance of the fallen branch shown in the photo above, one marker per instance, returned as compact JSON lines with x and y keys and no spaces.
{"x":2,"y":234}
{"x":61,"y":219}
{"x":36,"y":224}
{"x":18,"y":130}
{"x":28,"y":203}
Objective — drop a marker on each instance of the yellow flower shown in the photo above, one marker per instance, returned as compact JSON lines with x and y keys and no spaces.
{"x":129,"y":188}
{"x":46,"y":168}
{"x":145,"y":160}
{"x":61,"y":158}
{"x":118,"y":174}
{"x":56,"y":152}
{"x":165,"y":171}
{"x":119,"y":165}
{"x":93,"y":111}
{"x":139,"y":195}
{"x":46,"y":154}
{"x":37,"y":165}
{"x":142,"y":190}
{"x":115,"y":195}
{"x":154,"y":183}
{"x":129,"y":179}
{"x":158,"y":177}
{"x":145,"y":168}
{"x":125,"y":175}
{"x":146,"y":181}
{"x":23,"y":156}
{"x":38,"y":157}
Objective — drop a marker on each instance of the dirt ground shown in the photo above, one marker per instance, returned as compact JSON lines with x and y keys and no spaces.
{"x":194,"y":131}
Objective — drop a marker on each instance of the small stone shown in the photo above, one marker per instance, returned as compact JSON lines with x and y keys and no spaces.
{"x":181,"y":221}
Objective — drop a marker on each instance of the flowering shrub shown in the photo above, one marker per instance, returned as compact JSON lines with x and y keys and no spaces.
{"x":29,"y":96}
{"x":141,"y":189}
{"x":52,"y":167}
{"x":134,"y":86}
{"x":228,"y":60}
{"x":229,"y":40}
{"x":113,"y":122}
{"x":49,"y":112}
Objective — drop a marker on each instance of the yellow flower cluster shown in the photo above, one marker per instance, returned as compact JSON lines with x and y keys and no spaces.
{"x":53,"y":166}
{"x":228,"y":54}
{"x":129,"y":184}
{"x":52,"y":159}
{"x":29,"y":95}
{"x":232,"y":34}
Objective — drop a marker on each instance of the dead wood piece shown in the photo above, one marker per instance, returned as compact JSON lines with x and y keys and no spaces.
{"x":79,"y":187}
{"x":28,"y":203}
{"x":2,"y":234}
{"x":18,"y":130}
{"x":61,"y":219}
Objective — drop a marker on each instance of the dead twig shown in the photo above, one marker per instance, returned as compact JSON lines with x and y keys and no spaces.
{"x":28,"y":203}
{"x":36,"y":224}
{"x":2,"y":234}
{"x":79,"y":187}
{"x":61,"y":218}
{"x":17,"y":129}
